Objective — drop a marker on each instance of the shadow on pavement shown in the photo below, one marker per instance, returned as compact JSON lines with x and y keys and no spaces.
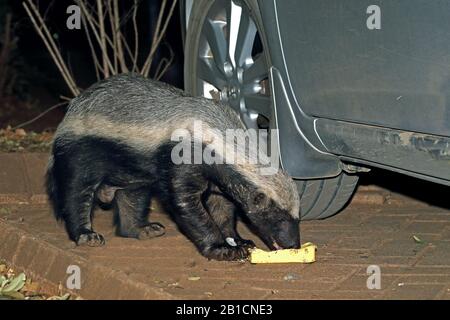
{"x":432,"y":193}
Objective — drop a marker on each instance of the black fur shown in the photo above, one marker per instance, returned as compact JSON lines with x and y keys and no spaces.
{"x":193,"y":194}
{"x":202,"y":199}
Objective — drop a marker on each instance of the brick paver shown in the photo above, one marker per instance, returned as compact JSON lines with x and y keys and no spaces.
{"x":365,"y":233}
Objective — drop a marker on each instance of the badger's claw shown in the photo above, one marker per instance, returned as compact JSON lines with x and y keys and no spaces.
{"x":225,"y":252}
{"x":91,"y":239}
{"x":152,"y":230}
{"x":249,"y":244}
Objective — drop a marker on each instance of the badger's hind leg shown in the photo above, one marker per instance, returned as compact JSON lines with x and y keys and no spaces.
{"x":131,"y":210}
{"x":77,"y":213}
{"x":223,"y":212}
{"x":79,"y":206}
{"x":74,"y":201}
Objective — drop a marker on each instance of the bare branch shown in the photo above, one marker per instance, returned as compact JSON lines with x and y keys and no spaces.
{"x":102,"y":37}
{"x":51,"y":46}
{"x":91,"y":21}
{"x":127,"y":46}
{"x":97,"y":66}
{"x":114,"y":34}
{"x":23,"y":124}
{"x":167,"y":62}
{"x":104,"y":25}
{"x":148,"y":61}
{"x":136,"y":36}
{"x":5,"y":57}
{"x":158,"y":37}
{"x":118,"y":32}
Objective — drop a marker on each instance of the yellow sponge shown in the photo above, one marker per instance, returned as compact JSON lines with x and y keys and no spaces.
{"x":306,"y":254}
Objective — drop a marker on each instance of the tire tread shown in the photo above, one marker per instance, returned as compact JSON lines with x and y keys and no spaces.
{"x":323,"y":198}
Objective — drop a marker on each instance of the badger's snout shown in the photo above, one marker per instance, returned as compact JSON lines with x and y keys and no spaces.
{"x":283,"y":235}
{"x":291,"y":244}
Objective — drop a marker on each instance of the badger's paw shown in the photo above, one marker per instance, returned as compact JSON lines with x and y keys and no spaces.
{"x":225,"y":252}
{"x":152,"y":230}
{"x":91,"y":239}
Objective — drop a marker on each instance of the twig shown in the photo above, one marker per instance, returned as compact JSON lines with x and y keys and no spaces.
{"x":158,"y":37}
{"x":23,"y":124}
{"x":91,"y":22}
{"x":4,"y":56}
{"x":148,"y":61}
{"x":51,"y":47}
{"x":114,"y":34}
{"x":117,"y":30}
{"x":95,"y":26}
{"x":97,"y":66}
{"x":65,"y":98}
{"x":167,"y":63}
{"x":102,"y":37}
{"x":127,"y":46}
{"x":110,"y":50}
{"x":136,"y":36}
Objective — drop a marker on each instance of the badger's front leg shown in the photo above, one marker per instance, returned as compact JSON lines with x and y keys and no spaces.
{"x":131,"y":210}
{"x":195,"y":221}
{"x":223,"y":212}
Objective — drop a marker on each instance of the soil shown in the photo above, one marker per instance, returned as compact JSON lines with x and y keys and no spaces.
{"x":20,"y":140}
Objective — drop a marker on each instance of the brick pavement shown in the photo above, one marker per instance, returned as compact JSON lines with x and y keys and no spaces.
{"x":375,"y":232}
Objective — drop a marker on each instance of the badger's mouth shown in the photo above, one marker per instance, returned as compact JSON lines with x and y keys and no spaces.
{"x":274,"y":245}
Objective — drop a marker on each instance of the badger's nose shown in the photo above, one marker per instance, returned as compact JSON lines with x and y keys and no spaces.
{"x":293,"y":244}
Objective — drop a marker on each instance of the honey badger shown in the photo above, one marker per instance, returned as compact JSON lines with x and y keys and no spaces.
{"x":114,"y":148}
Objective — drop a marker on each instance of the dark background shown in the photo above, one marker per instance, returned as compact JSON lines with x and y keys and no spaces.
{"x":40,"y":84}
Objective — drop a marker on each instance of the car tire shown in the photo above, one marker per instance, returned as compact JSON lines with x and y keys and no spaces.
{"x":319,"y":198}
{"x":323,"y":198}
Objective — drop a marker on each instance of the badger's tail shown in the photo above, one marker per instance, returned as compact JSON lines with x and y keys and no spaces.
{"x":52,"y":188}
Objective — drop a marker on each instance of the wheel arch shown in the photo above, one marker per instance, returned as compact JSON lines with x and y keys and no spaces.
{"x":302,"y":154}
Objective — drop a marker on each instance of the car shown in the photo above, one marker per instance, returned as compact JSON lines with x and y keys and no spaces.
{"x":349,"y":85}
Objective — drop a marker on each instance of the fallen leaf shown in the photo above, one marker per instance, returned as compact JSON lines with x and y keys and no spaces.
{"x":290,"y":277}
{"x":14,"y":285}
{"x":63,"y":297}
{"x":21,"y":132}
{"x":31,"y":287}
{"x":14,"y":295}
{"x":175,"y":285}
{"x":417,"y":239}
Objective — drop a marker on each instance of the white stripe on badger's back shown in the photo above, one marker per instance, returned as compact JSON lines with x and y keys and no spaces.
{"x":144,"y":113}
{"x":134,"y":99}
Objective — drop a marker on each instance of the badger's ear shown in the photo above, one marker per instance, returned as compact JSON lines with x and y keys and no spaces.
{"x":259,"y":201}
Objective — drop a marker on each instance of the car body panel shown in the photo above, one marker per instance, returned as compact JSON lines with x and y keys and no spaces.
{"x":345,"y":94}
{"x":422,"y":155}
{"x":396,"y":77}
{"x":338,"y":72}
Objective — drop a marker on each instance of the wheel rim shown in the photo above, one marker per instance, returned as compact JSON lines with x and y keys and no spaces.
{"x":231,"y":63}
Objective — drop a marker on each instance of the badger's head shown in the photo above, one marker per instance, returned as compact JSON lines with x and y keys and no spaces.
{"x":273,"y":211}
